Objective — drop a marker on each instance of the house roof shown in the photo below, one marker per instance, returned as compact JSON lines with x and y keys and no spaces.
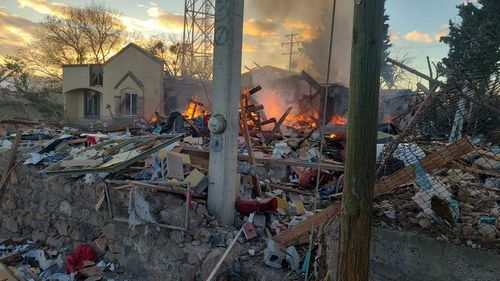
{"x":275,"y":72}
{"x":137,"y":47}
{"x":129,"y":45}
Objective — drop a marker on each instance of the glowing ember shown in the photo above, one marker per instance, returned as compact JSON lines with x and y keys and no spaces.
{"x":388,"y":119}
{"x":333,"y":136}
{"x":304,"y":121}
{"x":338,"y":120}
{"x":194,"y":109}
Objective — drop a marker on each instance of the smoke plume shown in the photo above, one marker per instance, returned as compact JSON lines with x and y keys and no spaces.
{"x":312,"y":19}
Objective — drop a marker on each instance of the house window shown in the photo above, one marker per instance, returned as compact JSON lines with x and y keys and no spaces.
{"x":91,"y":104}
{"x":130,"y":104}
{"x":96,"y":74}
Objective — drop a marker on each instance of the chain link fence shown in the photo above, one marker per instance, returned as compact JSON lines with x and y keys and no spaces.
{"x":441,"y":174}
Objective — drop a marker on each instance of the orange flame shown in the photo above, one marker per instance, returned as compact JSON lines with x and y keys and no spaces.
{"x":194,"y":110}
{"x":302,"y":121}
{"x":338,"y":120}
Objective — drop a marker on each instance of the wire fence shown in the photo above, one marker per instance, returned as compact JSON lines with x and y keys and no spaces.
{"x":441,"y":174}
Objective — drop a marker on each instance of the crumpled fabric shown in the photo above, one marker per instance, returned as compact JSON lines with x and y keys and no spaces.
{"x":83,"y":252}
{"x":138,"y":209}
{"x":246,"y":207}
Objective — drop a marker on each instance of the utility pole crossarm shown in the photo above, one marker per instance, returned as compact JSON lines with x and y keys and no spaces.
{"x":293,"y":42}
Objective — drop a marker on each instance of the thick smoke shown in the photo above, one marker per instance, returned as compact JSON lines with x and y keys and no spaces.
{"x":316,"y":13}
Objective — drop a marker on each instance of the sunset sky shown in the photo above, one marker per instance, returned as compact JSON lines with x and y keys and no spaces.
{"x":415,"y":25}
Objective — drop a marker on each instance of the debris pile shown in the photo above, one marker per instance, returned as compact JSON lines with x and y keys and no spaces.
{"x":138,"y":197}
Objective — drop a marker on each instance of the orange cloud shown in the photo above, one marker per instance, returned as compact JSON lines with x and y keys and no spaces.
{"x":159,"y":21}
{"x":418,"y":36}
{"x":43,"y":6}
{"x":16,"y":31}
{"x":307,"y":31}
{"x":260,"y":28}
{"x":171,"y":21}
{"x":248,"y":48}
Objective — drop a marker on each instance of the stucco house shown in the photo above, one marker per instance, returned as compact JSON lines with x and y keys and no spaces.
{"x":129,"y":85}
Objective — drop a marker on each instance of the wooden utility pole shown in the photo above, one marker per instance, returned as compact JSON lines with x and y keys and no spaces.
{"x":291,"y":52}
{"x":360,"y":165}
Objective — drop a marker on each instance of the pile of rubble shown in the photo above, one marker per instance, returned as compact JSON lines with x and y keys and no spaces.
{"x":138,"y":197}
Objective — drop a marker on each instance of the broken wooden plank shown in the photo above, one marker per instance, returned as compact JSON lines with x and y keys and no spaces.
{"x":290,"y":189}
{"x":10,"y":162}
{"x":433,"y":161}
{"x":248,"y":143}
{"x":81,"y":163}
{"x":293,"y":162}
{"x":254,"y":90}
{"x":488,"y":154}
{"x":268,"y":121}
{"x":278,"y":124}
{"x":253,"y":108}
{"x":204,"y":154}
{"x":307,"y":136}
{"x":474,"y":170}
{"x":175,"y":190}
{"x":291,"y":235}
{"x":430,"y":162}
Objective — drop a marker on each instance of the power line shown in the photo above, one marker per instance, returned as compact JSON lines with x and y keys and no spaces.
{"x":293,"y":42}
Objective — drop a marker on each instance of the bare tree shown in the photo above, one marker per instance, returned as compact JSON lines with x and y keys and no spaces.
{"x":10,"y":68}
{"x":80,"y":35}
{"x":169,"y":48}
{"x":102,"y":29}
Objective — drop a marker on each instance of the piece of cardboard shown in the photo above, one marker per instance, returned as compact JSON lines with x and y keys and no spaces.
{"x":81,"y":163}
{"x":185,"y":157}
{"x":175,"y":167}
{"x":194,"y":178}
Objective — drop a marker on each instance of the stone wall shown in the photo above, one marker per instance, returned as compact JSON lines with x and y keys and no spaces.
{"x":60,"y":212}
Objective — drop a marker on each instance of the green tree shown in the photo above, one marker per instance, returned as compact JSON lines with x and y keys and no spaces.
{"x":474,"y":47}
{"x":387,"y":70}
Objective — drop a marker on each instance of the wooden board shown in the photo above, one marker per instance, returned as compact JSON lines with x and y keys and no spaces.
{"x":436,"y":160}
{"x":293,"y":234}
{"x":433,"y":161}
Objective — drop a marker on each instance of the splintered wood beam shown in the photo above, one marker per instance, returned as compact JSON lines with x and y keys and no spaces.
{"x":307,"y":136}
{"x":254,"y":108}
{"x":290,"y":189}
{"x":293,"y":234}
{"x":248,"y":142}
{"x":278,"y":124}
{"x":433,"y":161}
{"x":436,"y":160}
{"x":268,"y":121}
{"x":254,"y":90}
{"x":10,"y":162}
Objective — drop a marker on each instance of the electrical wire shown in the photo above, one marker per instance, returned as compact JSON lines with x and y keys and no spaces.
{"x":321,"y":134}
